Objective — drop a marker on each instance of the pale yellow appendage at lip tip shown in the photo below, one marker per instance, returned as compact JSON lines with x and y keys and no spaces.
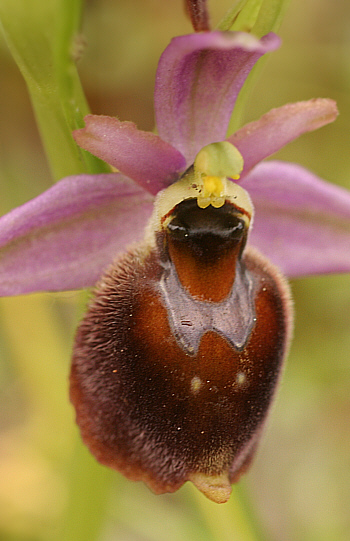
{"x":215,"y":487}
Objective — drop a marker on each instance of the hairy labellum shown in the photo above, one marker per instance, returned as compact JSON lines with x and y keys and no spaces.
{"x":177,"y":359}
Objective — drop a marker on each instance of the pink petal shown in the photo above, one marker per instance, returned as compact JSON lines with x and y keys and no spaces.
{"x":302,"y":223}
{"x":272,"y":131}
{"x":64,"y":238}
{"x":198,"y":79}
{"x":140,"y":155}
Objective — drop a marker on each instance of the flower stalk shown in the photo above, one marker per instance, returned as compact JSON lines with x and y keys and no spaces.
{"x":199,"y":15}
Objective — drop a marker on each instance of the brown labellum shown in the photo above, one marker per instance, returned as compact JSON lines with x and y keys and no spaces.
{"x":177,"y":359}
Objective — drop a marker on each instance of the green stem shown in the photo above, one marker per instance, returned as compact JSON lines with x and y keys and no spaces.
{"x":40,"y":35}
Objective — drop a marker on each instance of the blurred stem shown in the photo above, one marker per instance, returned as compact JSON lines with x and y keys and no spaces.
{"x":231,"y":521}
{"x":41,"y":35}
{"x":89,"y":497}
{"x":88,"y":485}
{"x":39,"y":357}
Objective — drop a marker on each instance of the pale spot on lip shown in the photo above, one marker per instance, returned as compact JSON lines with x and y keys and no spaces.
{"x":196,"y":384}
{"x":241,"y":378}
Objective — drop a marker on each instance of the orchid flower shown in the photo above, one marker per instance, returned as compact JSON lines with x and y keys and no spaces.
{"x":164,"y":424}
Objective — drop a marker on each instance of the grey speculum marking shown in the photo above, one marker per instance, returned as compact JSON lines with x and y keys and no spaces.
{"x":189,"y":318}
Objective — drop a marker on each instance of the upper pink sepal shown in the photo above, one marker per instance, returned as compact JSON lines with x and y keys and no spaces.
{"x":198,"y":79}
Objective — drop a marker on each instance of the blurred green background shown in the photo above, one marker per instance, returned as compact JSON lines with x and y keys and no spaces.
{"x":298,"y":488}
